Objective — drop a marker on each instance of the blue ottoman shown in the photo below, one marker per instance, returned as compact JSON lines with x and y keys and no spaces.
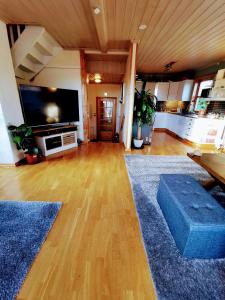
{"x":196,"y":220}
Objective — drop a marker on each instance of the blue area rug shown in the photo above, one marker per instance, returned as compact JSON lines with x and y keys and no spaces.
{"x":175,"y":277}
{"x":23,"y":229}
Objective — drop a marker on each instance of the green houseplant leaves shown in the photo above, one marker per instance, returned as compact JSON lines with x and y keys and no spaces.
{"x":23,"y":137}
{"x":144,"y":108}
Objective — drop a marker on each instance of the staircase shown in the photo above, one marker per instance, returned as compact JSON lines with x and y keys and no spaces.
{"x":32,"y":50}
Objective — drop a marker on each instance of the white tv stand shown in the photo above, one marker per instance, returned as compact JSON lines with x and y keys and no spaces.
{"x":50,"y":142}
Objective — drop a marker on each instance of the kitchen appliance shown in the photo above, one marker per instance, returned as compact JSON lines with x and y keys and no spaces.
{"x":206,"y":93}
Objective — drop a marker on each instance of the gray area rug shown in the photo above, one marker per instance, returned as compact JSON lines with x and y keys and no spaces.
{"x":175,"y":277}
{"x":23,"y":229}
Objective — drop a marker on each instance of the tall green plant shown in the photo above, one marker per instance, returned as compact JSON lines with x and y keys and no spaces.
{"x":144,"y":109}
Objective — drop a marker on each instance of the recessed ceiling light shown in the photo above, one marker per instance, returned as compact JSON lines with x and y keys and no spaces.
{"x":96,"y":10}
{"x":142,"y":27}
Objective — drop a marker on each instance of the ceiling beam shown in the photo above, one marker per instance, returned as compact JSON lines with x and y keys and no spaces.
{"x":100,"y":23}
{"x":110,"y":52}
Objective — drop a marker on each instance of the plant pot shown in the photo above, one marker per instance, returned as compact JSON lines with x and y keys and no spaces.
{"x":138,"y":143}
{"x":31,"y":158}
{"x":201,"y":112}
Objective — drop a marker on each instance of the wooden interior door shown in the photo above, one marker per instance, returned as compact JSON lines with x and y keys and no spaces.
{"x":106,"y":118}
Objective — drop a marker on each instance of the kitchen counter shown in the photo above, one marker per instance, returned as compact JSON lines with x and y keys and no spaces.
{"x":195,"y":116}
{"x":199,"y":130}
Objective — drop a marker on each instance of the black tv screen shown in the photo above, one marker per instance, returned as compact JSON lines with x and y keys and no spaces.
{"x":45,"y":106}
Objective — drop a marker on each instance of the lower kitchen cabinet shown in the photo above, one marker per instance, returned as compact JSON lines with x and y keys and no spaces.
{"x":196,"y":130}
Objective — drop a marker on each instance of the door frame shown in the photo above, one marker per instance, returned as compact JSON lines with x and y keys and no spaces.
{"x":97,"y":117}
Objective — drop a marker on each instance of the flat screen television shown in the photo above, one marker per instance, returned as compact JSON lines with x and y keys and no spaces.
{"x":46,"y":105}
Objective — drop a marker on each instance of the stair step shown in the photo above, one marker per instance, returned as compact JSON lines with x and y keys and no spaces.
{"x":21,"y":73}
{"x":28,"y":64}
{"x":36,"y":56}
{"x":32,"y":51}
{"x":25,"y":69}
{"x":44,"y":49}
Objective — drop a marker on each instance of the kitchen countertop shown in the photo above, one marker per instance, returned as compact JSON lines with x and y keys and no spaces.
{"x":194,"y":116}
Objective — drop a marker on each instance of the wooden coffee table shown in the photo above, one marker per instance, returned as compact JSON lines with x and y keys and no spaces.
{"x":214,"y":164}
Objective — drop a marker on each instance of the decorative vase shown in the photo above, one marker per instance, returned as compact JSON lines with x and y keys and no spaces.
{"x":138,"y":143}
{"x":31,"y":158}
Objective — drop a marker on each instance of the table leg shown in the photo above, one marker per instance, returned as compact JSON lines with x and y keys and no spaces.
{"x":208,"y":185}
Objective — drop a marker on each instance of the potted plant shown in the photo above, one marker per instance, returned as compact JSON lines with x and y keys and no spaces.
{"x":144,"y":112}
{"x":23,"y":137}
{"x":201,"y":106}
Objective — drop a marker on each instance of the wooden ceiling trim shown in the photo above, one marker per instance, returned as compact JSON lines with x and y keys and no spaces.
{"x":107,"y":78}
{"x":106,"y":57}
{"x":106,"y":67}
{"x":190,"y":29}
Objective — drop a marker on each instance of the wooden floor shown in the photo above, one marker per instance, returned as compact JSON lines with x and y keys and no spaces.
{"x":94,"y":250}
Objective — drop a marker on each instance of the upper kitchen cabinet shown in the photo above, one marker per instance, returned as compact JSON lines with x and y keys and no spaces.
{"x":185,"y":90}
{"x":162,"y":90}
{"x":218,"y":92}
{"x":173,"y":90}
{"x":150,"y":86}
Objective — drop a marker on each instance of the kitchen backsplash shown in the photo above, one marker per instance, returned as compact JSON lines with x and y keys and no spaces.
{"x":216,"y":107}
{"x":171,"y":105}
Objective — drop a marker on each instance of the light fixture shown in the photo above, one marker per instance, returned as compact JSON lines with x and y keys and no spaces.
{"x":106,"y":94}
{"x":98,"y":78}
{"x":168,"y":67}
{"x":96,"y":10}
{"x":142,"y":27}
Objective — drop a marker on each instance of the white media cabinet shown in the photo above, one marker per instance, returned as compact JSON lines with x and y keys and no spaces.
{"x":52,"y":142}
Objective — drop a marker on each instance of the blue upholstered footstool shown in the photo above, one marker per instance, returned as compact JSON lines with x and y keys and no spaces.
{"x":196,"y":220}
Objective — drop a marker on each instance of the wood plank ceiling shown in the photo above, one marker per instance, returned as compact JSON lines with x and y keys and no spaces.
{"x":189,"y":32}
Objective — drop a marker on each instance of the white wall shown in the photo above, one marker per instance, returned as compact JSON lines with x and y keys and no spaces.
{"x":11,"y":112}
{"x":6,"y":153}
{"x":63,"y":72}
